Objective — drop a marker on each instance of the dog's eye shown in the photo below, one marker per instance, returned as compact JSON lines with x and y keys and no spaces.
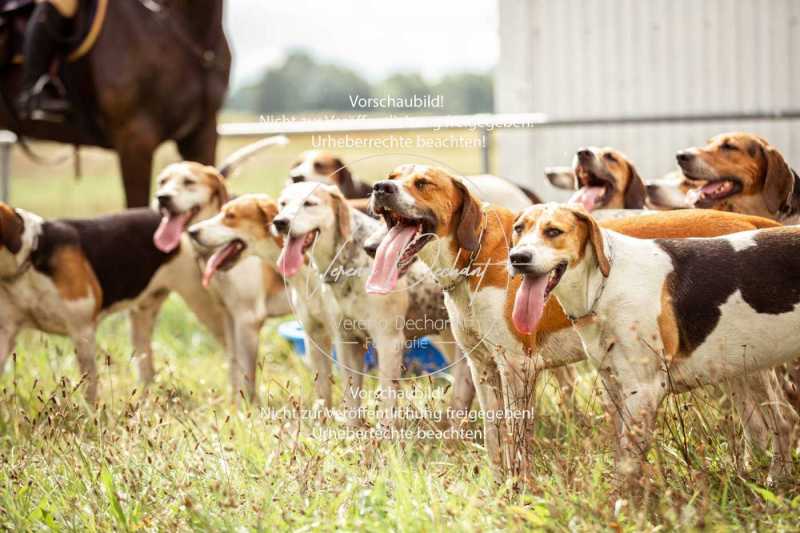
{"x":318,"y":166}
{"x":552,"y":233}
{"x":188,"y":183}
{"x":519,"y":227}
{"x":728,"y":146}
{"x":421,"y":184}
{"x":610,"y":157}
{"x":229,"y":215}
{"x":308,"y":204}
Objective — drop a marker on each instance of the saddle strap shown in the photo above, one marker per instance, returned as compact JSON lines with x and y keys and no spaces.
{"x":94,"y":32}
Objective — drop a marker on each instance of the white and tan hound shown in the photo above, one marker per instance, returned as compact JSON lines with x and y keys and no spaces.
{"x":665,"y":316}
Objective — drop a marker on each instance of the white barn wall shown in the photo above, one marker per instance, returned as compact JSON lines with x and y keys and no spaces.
{"x":592,"y":58}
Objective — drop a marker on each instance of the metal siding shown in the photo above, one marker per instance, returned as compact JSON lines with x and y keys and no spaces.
{"x":586,"y":58}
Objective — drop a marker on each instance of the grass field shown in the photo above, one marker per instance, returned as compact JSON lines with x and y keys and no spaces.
{"x":181,"y":456}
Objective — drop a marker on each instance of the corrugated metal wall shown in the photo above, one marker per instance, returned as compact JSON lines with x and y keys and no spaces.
{"x":593,"y":58}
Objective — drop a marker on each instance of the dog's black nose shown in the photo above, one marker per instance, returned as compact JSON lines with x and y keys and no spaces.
{"x":521,"y":258}
{"x":684,"y":156}
{"x":585,"y":153}
{"x":384,"y":187}
{"x":281,"y":224}
{"x":297,"y":178}
{"x":164,"y":200}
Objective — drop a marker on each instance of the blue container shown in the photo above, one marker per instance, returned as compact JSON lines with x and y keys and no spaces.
{"x":421,"y":358}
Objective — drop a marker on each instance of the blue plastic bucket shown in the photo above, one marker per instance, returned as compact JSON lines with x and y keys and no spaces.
{"x":421,"y":358}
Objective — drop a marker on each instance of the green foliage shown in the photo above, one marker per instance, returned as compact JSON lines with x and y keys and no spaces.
{"x":303,"y":84}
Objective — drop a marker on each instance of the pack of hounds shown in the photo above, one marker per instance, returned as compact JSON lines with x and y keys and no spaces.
{"x":690,"y":280}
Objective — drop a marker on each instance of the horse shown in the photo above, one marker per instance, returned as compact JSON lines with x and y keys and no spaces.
{"x":156,"y":72}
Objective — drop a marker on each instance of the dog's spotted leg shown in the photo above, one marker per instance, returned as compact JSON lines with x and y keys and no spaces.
{"x":143,"y":321}
{"x":8,"y":334}
{"x":634,"y":407}
{"x":319,"y":349}
{"x":85,"y":348}
{"x":463,"y":388}
{"x":390,"y":350}
{"x":488,"y":388}
{"x":766,"y":417}
{"x":351,"y":360}
{"x":245,"y":356}
{"x":566,"y":377}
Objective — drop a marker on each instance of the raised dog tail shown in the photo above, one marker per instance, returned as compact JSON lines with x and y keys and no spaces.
{"x":232,"y":163}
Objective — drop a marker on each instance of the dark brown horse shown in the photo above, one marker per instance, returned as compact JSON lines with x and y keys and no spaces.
{"x":158,"y":71}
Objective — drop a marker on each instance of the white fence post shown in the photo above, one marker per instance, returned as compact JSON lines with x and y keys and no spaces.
{"x":7,"y":140}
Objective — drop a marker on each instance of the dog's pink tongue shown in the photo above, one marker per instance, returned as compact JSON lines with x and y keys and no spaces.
{"x":385,"y":271}
{"x":529,"y":304}
{"x":291,"y":259}
{"x":216,"y":260}
{"x":587,"y":196}
{"x":168,"y":235}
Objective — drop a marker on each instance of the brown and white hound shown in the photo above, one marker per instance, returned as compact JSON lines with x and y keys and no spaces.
{"x":433,"y":216}
{"x":248,"y":294}
{"x":665,"y":316}
{"x":602,"y":178}
{"x":65,"y":276}
{"x":738,"y":172}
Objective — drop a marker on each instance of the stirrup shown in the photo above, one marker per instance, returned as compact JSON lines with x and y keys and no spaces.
{"x":36,"y":106}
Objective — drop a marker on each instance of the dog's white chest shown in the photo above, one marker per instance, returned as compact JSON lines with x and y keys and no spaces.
{"x":479,"y":322}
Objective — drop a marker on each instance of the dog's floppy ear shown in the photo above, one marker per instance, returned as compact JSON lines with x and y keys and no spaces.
{"x":468,"y":219}
{"x":595,"y":238}
{"x":341,"y":209}
{"x":219,"y":184}
{"x":561,"y":178}
{"x":342,"y":176}
{"x":268,"y":210}
{"x":778,"y":179}
{"x":635,"y":192}
{"x":11,"y":229}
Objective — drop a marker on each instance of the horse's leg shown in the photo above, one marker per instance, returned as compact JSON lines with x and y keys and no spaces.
{"x":135,"y":143}
{"x":201,"y":144}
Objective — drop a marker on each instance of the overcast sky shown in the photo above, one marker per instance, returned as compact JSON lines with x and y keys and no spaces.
{"x":374,"y":37}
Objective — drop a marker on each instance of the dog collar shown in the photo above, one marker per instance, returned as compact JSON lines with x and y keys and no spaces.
{"x":591,"y":312}
{"x":462,"y":276}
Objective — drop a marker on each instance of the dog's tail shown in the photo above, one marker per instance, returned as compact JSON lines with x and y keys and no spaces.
{"x":532,"y":196}
{"x":237,"y":158}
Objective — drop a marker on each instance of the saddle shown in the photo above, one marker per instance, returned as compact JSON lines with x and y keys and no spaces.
{"x":14,"y":17}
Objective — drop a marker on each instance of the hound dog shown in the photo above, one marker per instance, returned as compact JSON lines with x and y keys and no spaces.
{"x":243,"y":228}
{"x":189,"y":192}
{"x":65,"y":276}
{"x":602,"y":178}
{"x":738,"y":172}
{"x":433,"y":216}
{"x":324,"y":167}
{"x":741,"y":173}
{"x":316,"y":218}
{"x":671,"y":191}
{"x":663,"y":316}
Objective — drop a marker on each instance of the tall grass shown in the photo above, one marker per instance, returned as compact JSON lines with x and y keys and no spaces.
{"x":181,"y":456}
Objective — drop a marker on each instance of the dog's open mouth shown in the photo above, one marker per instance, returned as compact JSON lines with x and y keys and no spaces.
{"x":398,"y":250}
{"x":531,"y":297}
{"x":293,"y":252}
{"x":707,"y":194}
{"x":595,"y":192}
{"x":168,"y":235}
{"x":223,"y":259}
